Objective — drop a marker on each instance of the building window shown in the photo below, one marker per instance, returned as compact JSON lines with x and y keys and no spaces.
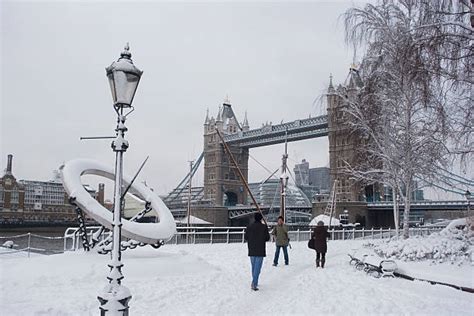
{"x":14,"y":197}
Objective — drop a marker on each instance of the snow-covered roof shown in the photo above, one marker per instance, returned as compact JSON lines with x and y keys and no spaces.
{"x":133,"y":205}
{"x":193,"y":220}
{"x":325,"y":220}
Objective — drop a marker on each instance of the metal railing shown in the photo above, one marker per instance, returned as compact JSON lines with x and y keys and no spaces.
{"x":31,"y":243}
{"x":213,"y":235}
{"x":72,"y":240}
{"x":226,"y":235}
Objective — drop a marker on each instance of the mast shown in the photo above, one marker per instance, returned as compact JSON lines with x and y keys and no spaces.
{"x":226,"y":147}
{"x":284,"y":179}
{"x":189,"y":185}
{"x":189,"y":196}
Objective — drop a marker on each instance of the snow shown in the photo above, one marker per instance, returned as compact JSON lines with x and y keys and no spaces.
{"x":452,"y":245}
{"x":455,"y":223}
{"x":193,"y":220}
{"x":215,"y":279}
{"x":7,"y":253}
{"x":325,"y":220}
{"x":8,"y":244}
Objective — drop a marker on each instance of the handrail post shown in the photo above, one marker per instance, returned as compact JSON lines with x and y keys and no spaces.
{"x":363,"y":232}
{"x":298,"y":235}
{"x":29,"y":244}
{"x":243,"y":235}
{"x":381,"y":233}
{"x":343,"y":234}
{"x":228,"y":235}
{"x":73,"y":242}
{"x":211,"y":235}
{"x":372,"y":232}
{"x":353,"y":233}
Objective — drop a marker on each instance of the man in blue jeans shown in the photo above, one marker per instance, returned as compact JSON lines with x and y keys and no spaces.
{"x":280,"y":234}
{"x":256,"y":236}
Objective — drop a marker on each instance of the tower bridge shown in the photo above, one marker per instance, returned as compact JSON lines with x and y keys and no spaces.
{"x":223,"y":189}
{"x":222,"y":186}
{"x":269,"y":134}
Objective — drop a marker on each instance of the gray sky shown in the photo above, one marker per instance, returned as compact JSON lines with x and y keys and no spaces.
{"x":272,"y":59}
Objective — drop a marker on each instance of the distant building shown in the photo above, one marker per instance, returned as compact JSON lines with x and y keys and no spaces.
{"x":312,"y":181}
{"x":320,"y":178}
{"x":268,"y":194}
{"x":301,"y":171}
{"x":37,"y":202}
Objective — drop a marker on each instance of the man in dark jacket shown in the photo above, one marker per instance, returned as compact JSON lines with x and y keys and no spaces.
{"x":256,"y":235}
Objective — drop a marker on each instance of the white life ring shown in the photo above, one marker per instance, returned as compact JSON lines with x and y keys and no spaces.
{"x":150,"y":233}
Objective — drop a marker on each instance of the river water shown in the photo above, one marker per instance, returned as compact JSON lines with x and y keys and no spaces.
{"x":44,"y":240}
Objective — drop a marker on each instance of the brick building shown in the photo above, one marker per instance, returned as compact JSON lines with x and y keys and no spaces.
{"x":30,"y":202}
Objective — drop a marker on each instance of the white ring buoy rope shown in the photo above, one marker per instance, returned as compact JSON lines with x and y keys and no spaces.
{"x":149,"y":233}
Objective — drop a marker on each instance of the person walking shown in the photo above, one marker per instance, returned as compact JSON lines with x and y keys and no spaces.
{"x":256,"y":236}
{"x":280,"y":234}
{"x":319,"y":236}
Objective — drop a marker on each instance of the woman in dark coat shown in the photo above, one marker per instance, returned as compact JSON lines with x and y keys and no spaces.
{"x":319,"y":235}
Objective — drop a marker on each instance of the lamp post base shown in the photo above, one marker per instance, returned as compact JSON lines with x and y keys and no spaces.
{"x":114,"y":300}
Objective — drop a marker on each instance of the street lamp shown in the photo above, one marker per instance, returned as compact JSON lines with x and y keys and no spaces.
{"x":123,"y":79}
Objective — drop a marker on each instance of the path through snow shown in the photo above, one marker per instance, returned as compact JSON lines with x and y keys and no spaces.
{"x":215,"y":279}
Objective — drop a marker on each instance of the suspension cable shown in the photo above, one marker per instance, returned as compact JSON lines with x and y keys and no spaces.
{"x":454,"y":180}
{"x":458,"y":176}
{"x":261,"y":165}
{"x":440,"y":187}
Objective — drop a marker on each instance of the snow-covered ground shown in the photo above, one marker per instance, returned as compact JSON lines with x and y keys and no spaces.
{"x":215,"y":279}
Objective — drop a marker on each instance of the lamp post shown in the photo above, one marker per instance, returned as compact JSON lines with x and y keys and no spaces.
{"x":123,"y":79}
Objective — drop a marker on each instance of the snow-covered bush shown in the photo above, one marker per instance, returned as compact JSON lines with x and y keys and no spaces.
{"x":8,"y":244}
{"x":453,"y":244}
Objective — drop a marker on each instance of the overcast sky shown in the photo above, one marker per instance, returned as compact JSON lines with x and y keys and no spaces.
{"x":273,"y":60}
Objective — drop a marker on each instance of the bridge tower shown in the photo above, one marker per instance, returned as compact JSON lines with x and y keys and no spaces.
{"x":222,"y":185}
{"x":343,"y":141}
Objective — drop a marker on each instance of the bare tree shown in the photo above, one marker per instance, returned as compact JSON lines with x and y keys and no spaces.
{"x":414,"y":108}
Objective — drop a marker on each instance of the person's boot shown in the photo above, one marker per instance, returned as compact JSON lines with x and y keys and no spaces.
{"x":317,"y":263}
{"x":322,"y":263}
